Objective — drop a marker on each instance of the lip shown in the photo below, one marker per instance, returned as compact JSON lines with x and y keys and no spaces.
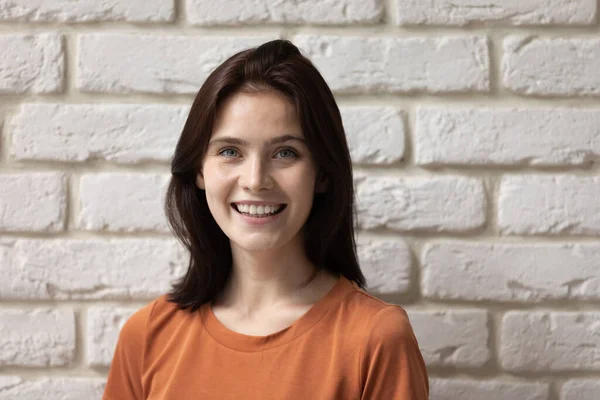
{"x":258,"y":221}
{"x":257,"y":203}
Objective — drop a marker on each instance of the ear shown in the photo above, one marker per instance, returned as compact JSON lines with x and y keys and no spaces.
{"x":322,"y":183}
{"x":200,"y":181}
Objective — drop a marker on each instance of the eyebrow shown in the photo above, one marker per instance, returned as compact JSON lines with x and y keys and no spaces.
{"x":241,"y":142}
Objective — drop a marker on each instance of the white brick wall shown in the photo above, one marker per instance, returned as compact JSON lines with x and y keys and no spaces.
{"x":557,"y":204}
{"x":215,"y":12}
{"x":580,"y":389}
{"x":477,"y":271}
{"x":87,"y":10}
{"x":31,"y":63}
{"x":94,"y":268}
{"x":357,"y":64}
{"x":104,"y":324}
{"x":376,"y":135}
{"x":152,"y":63}
{"x":464,"y":342}
{"x":33,"y":202}
{"x":38,"y":338}
{"x":550,"y":341}
{"x":433,"y":204}
{"x":87,"y":132}
{"x":508,"y":12}
{"x":474,"y":127}
{"x":453,"y":389}
{"x":544,"y":67}
{"x":387,"y":263}
{"x":507,"y":136}
{"x":14,"y":387}
{"x":106,"y":199}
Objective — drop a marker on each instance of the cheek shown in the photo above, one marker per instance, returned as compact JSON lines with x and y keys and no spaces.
{"x":302,"y":184}
{"x":215,"y":189}
{"x":308,"y":177}
{"x":216,"y":192}
{"x":215,"y":177}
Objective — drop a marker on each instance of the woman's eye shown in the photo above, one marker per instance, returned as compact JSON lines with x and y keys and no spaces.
{"x":228,"y":152}
{"x":287,"y":153}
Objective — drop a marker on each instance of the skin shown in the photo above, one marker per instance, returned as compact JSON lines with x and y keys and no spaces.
{"x":247,"y":160}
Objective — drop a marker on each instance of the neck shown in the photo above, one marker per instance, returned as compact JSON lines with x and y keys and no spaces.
{"x":264,"y":280}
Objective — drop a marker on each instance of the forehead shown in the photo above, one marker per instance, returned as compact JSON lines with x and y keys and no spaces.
{"x":256,"y":114}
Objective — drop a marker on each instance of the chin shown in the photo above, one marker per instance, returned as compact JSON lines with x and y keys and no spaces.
{"x":256,"y":246}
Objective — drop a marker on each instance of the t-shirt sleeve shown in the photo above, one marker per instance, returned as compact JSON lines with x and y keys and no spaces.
{"x":124,"y":380}
{"x":391,"y":364}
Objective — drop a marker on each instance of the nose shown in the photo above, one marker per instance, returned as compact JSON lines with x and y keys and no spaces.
{"x":256,"y":175}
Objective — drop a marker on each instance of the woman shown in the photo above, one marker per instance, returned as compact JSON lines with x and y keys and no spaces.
{"x":273,"y":305}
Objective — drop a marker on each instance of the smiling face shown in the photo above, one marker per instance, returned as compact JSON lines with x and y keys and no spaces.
{"x":258,"y":174}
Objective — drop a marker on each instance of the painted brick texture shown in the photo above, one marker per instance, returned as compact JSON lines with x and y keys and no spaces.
{"x":473,"y":127}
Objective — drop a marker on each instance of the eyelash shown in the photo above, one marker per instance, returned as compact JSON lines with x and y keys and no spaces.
{"x":295,"y":154}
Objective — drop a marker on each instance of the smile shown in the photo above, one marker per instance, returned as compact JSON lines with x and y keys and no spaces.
{"x":258,"y":211}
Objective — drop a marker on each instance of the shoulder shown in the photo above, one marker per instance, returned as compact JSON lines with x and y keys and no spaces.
{"x":372,"y":310}
{"x":389,"y":326}
{"x":390,"y":363}
{"x":155,"y":324}
{"x":141,"y":321}
{"x":133,"y":350}
{"x":136,"y":326}
{"x":382,"y":322}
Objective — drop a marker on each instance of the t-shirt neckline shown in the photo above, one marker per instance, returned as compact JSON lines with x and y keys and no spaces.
{"x":242,"y":342}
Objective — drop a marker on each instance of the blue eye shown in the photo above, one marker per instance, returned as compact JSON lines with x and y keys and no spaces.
{"x":287,"y":153}
{"x":228,"y":152}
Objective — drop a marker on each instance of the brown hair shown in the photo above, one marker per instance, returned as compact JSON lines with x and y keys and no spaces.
{"x":329,"y":229}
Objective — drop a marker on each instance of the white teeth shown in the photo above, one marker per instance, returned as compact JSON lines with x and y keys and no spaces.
{"x":257,"y":210}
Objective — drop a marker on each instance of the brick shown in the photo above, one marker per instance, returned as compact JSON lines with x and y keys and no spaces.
{"x":87,"y":10}
{"x":549,"y":205}
{"x":354,"y":64}
{"x":546,"y":67}
{"x":37,"y":338}
{"x":463,"y":389}
{"x":580,"y":389}
{"x":334,"y":12}
{"x":31,"y":63}
{"x":33,"y":202}
{"x":433,"y":204}
{"x":122,"y":133}
{"x":550,"y":341}
{"x":103,"y":328}
{"x":507,"y":136}
{"x":13,"y":387}
{"x":509,"y":12}
{"x":457,"y":338}
{"x":122,"y":268}
{"x":375,"y":135}
{"x":510,"y":272}
{"x":163,"y":63}
{"x":123,"y":202}
{"x":386,"y":265}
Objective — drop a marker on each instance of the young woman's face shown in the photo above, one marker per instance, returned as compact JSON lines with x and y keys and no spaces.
{"x":258,"y":175}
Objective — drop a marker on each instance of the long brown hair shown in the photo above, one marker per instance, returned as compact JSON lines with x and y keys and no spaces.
{"x":329,"y":230}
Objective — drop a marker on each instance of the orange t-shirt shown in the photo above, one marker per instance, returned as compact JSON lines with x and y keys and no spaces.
{"x":348,"y":345}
